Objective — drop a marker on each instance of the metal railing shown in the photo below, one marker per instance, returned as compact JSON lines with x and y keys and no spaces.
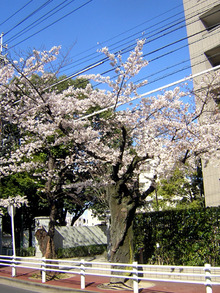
{"x":206,"y":275}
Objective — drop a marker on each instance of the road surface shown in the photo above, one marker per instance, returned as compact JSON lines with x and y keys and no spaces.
{"x":10,"y":289}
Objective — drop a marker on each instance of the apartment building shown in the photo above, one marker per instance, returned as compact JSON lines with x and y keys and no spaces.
{"x":203,"y":31}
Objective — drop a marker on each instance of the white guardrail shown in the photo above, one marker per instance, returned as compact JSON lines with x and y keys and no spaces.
{"x":206,"y":275}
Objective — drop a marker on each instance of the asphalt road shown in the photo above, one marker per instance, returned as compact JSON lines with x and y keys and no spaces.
{"x":10,"y":289}
{"x":9,"y":286}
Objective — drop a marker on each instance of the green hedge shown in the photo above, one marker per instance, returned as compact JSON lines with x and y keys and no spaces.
{"x":181,"y":237}
{"x":81,"y":251}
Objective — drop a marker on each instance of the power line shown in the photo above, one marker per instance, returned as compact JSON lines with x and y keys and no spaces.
{"x":46,"y":16}
{"x":167,"y":53}
{"x":153,"y":40}
{"x":160,"y":78}
{"x":144,"y":29}
{"x":151,"y":92}
{"x":136,"y":26}
{"x":46,"y":27}
{"x":180,"y":81}
{"x":132,"y":44}
{"x":126,"y":50}
{"x":49,"y":25}
{"x":31,"y":14}
{"x":130,"y":29}
{"x":16,"y":12}
{"x":104,"y":42}
{"x":74,"y":75}
{"x":161,"y":88}
{"x":159,"y":49}
{"x":133,"y":40}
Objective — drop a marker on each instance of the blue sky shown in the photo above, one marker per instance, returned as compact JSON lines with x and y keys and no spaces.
{"x":92,"y":24}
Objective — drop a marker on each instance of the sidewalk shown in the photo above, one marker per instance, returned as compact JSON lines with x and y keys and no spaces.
{"x":25,"y":279}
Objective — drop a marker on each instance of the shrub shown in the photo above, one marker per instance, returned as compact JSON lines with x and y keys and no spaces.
{"x":179,"y":237}
{"x":81,"y":251}
{"x":30,"y":251}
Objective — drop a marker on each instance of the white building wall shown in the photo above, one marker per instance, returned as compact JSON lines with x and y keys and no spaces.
{"x":87,"y":219}
{"x":201,"y":40}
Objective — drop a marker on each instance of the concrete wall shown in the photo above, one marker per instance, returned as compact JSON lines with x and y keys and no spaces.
{"x":68,"y":236}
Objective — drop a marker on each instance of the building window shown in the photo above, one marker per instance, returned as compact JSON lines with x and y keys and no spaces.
{"x":211,"y":18}
{"x":213,"y":56}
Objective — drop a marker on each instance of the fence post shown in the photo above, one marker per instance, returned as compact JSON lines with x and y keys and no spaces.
{"x":82,"y":274}
{"x":43,"y":270}
{"x":208,"y":281}
{"x":13,"y":269}
{"x":135,"y":277}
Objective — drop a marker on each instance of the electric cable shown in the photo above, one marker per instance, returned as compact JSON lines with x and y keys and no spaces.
{"x":110,"y":47}
{"x":125,"y":50}
{"x":130,"y":46}
{"x":160,"y":78}
{"x":161,"y":21}
{"x":161,"y":48}
{"x":177,"y":6}
{"x":148,"y":53}
{"x":184,"y":79}
{"x":151,"y":92}
{"x":31,"y":14}
{"x":27,"y":26}
{"x":40,"y":20}
{"x":49,"y":25}
{"x":16,"y":12}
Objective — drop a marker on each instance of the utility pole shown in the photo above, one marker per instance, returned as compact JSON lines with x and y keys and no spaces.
{"x":2,"y":47}
{"x":2,"y":63}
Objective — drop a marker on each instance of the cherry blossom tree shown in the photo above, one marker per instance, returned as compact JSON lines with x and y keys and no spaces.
{"x":16,"y":202}
{"x":73,"y":150}
{"x":46,"y":144}
{"x":154,"y":137}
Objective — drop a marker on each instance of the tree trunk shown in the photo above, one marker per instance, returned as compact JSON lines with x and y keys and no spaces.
{"x":122,"y":209}
{"x":50,"y":248}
